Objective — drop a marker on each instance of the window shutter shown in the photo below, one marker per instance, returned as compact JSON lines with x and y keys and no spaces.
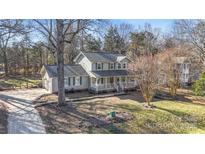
{"x":102,"y":66}
{"x":80,"y":80}
{"x":69,"y":81}
{"x":109,"y":66}
{"x":114,"y":65}
{"x":74,"y":81}
{"x":96,"y":66}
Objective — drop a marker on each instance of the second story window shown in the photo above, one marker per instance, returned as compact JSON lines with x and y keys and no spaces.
{"x":111,"y":66}
{"x":119,"y":66}
{"x":99,"y":66}
{"x":124,"y":65}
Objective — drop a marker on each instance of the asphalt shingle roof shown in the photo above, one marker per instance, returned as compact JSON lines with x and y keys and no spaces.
{"x":103,"y":56}
{"x":107,"y":73}
{"x":69,"y":70}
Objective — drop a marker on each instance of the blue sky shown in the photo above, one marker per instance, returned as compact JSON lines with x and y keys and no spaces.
{"x":163,"y":24}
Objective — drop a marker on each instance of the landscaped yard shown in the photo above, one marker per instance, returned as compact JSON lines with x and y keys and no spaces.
{"x":3,"y":119}
{"x":91,"y":116}
{"x":19,"y":82}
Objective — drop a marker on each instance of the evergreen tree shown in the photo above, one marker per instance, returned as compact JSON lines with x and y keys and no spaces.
{"x":113,"y":42}
{"x":92,"y":43}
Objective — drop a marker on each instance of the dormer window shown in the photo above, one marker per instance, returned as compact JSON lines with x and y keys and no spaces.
{"x":119,"y":66}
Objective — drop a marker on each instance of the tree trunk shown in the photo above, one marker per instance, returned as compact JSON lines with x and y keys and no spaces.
{"x":5,"y":63}
{"x":27,"y":63}
{"x":60,"y":61}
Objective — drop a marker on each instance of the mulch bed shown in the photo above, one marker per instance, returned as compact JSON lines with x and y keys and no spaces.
{"x":3,"y":118}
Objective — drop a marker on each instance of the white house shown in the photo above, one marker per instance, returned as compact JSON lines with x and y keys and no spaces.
{"x":93,"y":71}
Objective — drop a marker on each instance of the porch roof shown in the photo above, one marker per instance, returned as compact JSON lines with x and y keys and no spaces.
{"x":107,"y":73}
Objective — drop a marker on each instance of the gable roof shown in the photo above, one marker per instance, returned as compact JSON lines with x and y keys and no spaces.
{"x":103,"y":56}
{"x":69,"y":70}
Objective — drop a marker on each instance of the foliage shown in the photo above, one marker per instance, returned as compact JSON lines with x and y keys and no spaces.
{"x":113,"y":41}
{"x":92,"y":43}
{"x":19,"y":82}
{"x":143,"y":42}
{"x":199,"y":86}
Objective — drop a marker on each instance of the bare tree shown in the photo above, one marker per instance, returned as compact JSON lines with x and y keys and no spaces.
{"x":146,"y":72}
{"x":9,"y":29}
{"x":192,"y":32}
{"x":59,"y":32}
{"x":171,"y":70}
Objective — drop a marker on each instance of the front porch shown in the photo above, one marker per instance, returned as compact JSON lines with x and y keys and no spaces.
{"x":118,"y":83}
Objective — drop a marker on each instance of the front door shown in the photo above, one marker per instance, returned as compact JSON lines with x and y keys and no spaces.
{"x":111,"y":80}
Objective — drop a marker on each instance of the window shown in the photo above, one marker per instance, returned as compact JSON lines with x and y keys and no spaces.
{"x":66,"y":81}
{"x":124,"y":65}
{"x":74,"y":81}
{"x":77,"y":81}
{"x":99,"y":66}
{"x":119,"y":66}
{"x":111,"y":66}
{"x":81,"y":80}
{"x":100,"y":81}
{"x":69,"y":81}
{"x":123,"y":79}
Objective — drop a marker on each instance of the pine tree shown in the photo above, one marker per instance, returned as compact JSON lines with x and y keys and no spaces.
{"x":92,"y":43}
{"x":113,"y":41}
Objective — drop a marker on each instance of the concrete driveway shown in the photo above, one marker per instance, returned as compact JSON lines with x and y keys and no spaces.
{"x":23,"y":117}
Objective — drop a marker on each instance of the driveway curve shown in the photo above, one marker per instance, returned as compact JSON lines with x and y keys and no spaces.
{"x":23,"y":117}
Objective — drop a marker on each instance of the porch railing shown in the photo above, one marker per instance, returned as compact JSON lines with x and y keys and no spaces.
{"x":122,"y":85}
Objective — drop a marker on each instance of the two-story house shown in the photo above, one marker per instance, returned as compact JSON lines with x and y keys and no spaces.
{"x":93,"y":71}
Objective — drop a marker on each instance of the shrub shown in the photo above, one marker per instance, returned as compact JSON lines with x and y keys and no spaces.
{"x":199,"y":86}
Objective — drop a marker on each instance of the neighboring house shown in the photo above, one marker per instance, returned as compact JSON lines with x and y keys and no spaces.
{"x":95,"y":71}
{"x":187,"y":70}
{"x":183,"y":64}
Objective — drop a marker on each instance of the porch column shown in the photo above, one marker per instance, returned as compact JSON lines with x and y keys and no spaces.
{"x":126,"y":78}
{"x":106,"y":82}
{"x":96,"y":84}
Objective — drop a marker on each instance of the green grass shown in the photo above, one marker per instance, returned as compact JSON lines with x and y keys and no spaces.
{"x":169,"y":117}
{"x":18,"y":82}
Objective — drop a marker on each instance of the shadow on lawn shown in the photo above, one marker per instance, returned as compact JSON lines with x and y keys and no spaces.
{"x":137,"y":96}
{"x":13,"y":100}
{"x":73,"y":119}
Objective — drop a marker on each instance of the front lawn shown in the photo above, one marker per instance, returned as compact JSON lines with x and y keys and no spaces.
{"x":91,"y":116}
{"x":19,"y":82}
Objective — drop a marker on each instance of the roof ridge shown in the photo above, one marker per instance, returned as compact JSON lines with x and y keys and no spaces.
{"x":106,"y":52}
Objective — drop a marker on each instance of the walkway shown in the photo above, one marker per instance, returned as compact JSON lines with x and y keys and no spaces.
{"x":23,"y":117}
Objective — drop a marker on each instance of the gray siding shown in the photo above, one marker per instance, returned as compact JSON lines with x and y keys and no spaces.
{"x":75,"y":87}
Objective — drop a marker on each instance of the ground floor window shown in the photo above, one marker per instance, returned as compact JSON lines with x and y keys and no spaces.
{"x":66,"y":81}
{"x":74,"y":81}
{"x":100,"y":81}
{"x":123,"y":79}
